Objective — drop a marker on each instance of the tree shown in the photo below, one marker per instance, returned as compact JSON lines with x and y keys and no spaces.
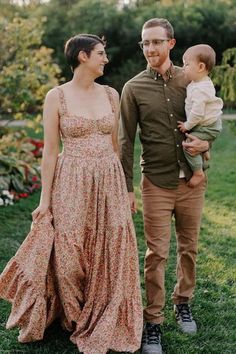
{"x":119,"y":25}
{"x":224,"y":76}
{"x":27,"y":70}
{"x":194,"y":22}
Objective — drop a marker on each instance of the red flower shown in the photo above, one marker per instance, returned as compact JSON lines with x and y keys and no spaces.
{"x":36,"y":186}
{"x":23,"y":195}
{"x":38,"y":144}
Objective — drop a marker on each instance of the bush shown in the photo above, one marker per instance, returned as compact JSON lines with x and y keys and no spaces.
{"x":224,"y":76}
{"x":27,"y":70}
{"x":19,"y":166}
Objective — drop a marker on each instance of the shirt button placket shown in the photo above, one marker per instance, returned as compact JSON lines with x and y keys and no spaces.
{"x":169,"y":104}
{"x":172,"y":120}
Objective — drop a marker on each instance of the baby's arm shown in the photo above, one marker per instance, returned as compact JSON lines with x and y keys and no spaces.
{"x":181,"y":126}
{"x":199,"y":100}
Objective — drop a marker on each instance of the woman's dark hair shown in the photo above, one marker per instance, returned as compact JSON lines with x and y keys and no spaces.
{"x":84,"y":42}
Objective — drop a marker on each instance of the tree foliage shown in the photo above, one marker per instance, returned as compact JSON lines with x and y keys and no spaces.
{"x":194,"y":22}
{"x":201,"y":21}
{"x":27,"y":73}
{"x":27,"y":70}
{"x":224,"y":75}
{"x":120,"y":26}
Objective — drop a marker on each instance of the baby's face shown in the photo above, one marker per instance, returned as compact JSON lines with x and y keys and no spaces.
{"x":192,"y":68}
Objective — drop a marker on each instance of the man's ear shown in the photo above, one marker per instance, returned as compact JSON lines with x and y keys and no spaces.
{"x":82,"y":56}
{"x":172,"y":43}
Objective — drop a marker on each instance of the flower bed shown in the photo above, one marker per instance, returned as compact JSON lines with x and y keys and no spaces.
{"x":19,"y":167}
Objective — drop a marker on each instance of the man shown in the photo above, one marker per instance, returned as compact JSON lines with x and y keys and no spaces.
{"x":154,"y":100}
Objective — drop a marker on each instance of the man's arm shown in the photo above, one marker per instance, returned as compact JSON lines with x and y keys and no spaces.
{"x":195,"y":146}
{"x":127,"y":133}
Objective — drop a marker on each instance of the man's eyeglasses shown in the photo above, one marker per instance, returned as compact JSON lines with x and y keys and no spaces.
{"x":155,"y":42}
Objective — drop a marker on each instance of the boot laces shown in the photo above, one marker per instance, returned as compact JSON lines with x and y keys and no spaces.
{"x":151,"y":334}
{"x":184,"y":312}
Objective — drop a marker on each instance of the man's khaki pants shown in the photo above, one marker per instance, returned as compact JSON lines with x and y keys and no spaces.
{"x":159,"y":204}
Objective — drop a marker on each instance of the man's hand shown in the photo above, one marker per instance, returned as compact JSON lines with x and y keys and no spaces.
{"x":132,"y":202}
{"x":194,"y":145}
{"x":181,"y":127}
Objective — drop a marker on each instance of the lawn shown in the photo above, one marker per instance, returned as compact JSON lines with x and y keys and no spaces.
{"x":214,"y":304}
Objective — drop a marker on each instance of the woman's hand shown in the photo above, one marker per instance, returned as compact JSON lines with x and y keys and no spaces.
{"x":40,"y":211}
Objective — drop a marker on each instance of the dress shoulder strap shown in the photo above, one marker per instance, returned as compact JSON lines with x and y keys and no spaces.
{"x":111,"y":98}
{"x":63,"y":105}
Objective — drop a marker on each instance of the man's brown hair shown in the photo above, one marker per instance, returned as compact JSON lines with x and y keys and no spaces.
{"x":160,"y":22}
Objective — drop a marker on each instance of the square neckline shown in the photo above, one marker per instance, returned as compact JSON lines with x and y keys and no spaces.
{"x":64,"y":113}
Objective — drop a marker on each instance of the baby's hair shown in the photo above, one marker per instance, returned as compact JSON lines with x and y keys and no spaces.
{"x":203,"y":53}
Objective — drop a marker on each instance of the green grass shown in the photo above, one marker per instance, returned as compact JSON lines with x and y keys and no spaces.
{"x":214,"y":303}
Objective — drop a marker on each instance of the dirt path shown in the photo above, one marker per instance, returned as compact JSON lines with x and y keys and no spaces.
{"x":22,"y":123}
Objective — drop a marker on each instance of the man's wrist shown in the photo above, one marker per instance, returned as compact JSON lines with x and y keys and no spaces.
{"x":130,"y":186}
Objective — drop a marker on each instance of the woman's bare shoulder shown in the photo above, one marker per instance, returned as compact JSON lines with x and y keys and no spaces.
{"x":114,"y":93}
{"x":52,"y":94}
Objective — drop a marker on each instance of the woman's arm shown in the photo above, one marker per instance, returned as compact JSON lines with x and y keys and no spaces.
{"x":50,"y":151}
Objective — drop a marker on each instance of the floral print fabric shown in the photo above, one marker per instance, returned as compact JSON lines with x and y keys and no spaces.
{"x":82,"y":266}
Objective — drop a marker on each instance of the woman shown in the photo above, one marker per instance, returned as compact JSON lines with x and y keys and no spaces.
{"x":83,"y":268}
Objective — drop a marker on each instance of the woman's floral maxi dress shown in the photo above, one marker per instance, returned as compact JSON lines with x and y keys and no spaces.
{"x":80,"y":262}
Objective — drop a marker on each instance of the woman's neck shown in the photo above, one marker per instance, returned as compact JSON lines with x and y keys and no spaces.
{"x":83,"y":80}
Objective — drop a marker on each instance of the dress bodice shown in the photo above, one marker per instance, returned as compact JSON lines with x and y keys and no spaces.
{"x":86,"y":136}
{"x":81,"y":127}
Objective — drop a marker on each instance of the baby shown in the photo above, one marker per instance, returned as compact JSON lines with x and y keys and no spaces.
{"x":203,"y":109}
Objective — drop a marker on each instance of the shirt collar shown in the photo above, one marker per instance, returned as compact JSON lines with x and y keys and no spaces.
{"x":166,"y":76}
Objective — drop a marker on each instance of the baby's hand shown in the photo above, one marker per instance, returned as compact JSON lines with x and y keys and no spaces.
{"x":181,"y":127}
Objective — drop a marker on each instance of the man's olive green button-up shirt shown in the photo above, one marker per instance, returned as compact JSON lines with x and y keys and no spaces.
{"x":155,"y":103}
